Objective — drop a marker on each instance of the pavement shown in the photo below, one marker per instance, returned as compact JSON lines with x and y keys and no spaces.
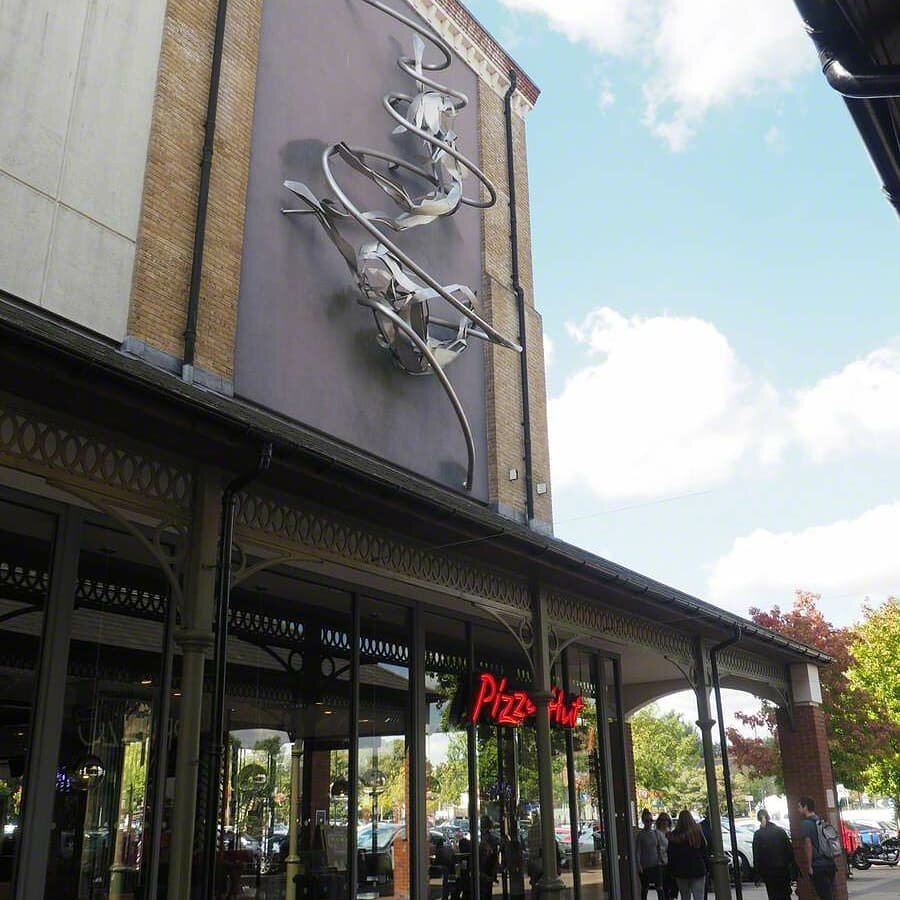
{"x":877,"y":883}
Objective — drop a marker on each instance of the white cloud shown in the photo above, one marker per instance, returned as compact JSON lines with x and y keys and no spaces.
{"x":774,"y":140}
{"x":608,"y":26}
{"x":667,"y":409}
{"x":855,"y":409}
{"x":711,"y":52}
{"x":605,"y":95}
{"x":549,"y":352}
{"x":700,"y":54}
{"x":664,"y":406}
{"x":845,"y":560}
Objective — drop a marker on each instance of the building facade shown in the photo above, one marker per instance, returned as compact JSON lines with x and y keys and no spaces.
{"x":277,"y":618}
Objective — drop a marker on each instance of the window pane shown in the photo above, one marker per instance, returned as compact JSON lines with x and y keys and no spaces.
{"x":26,"y":537}
{"x":447,"y":758}
{"x":99,"y":834}
{"x":382,"y":841}
{"x":284,"y":805}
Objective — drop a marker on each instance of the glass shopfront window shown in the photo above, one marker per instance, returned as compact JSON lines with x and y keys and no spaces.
{"x":101,"y":831}
{"x":447,"y":759}
{"x":284,"y":805}
{"x":26,"y":540}
{"x":323,"y":741}
{"x":383,"y":840}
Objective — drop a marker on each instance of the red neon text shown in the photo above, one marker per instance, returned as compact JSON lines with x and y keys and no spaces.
{"x":560,"y":713}
{"x":503,"y":707}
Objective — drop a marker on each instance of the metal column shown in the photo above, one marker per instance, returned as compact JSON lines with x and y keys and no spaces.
{"x":705,"y":722}
{"x":49,"y":704}
{"x":549,"y":882}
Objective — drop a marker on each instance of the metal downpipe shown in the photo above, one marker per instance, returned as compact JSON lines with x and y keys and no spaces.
{"x":212,"y":105}
{"x":862,"y":85}
{"x":520,"y":296}
{"x":220,"y":647}
{"x":723,"y":748}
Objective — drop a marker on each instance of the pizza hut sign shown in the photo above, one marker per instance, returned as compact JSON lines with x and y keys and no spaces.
{"x":494,"y":703}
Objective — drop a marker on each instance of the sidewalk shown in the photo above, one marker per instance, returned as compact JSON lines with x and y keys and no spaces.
{"x":877,"y":883}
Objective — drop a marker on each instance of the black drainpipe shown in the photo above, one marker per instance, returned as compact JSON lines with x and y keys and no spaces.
{"x":723,"y":746}
{"x":212,"y":105}
{"x":520,"y":295}
{"x":840,"y":51}
{"x":223,"y":605}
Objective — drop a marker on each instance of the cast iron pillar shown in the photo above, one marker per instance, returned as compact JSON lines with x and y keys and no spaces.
{"x":292,"y":863}
{"x":705,"y":722}
{"x":195,"y":639}
{"x":549,"y":883}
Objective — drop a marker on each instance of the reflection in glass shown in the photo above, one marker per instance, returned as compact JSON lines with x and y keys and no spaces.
{"x":586,"y":764}
{"x":26,"y":536}
{"x":100,"y":834}
{"x":382,"y":841}
{"x":447,"y":759}
{"x":284,"y":822}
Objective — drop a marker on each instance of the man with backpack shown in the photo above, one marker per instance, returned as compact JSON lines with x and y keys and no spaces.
{"x":819,"y":847}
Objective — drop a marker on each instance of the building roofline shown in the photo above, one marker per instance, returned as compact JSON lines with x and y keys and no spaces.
{"x":17,"y":319}
{"x":463,"y":19}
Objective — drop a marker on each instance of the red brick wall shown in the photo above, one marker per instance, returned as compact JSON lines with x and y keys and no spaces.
{"x":806,"y":765}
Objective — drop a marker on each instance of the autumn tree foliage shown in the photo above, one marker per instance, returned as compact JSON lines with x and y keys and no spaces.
{"x":854,"y":738}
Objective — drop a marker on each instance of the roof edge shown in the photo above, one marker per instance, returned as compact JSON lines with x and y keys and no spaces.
{"x":27,"y":323}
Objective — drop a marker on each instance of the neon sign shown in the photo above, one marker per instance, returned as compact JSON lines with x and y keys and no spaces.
{"x":495,"y":703}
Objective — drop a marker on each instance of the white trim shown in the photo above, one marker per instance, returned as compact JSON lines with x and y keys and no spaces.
{"x":486,"y":69}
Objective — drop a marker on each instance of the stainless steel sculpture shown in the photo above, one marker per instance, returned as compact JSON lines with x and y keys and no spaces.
{"x":396,"y":288}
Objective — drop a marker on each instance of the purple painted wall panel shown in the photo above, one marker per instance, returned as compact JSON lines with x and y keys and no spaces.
{"x":305,"y":348}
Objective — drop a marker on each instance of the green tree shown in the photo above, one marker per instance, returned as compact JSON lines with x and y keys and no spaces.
{"x":875,"y":673}
{"x":668,"y":760}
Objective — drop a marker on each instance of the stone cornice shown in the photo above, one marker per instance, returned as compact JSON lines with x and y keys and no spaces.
{"x":479,"y":49}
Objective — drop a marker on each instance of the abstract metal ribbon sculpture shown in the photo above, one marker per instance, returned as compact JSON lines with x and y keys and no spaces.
{"x":391,"y":284}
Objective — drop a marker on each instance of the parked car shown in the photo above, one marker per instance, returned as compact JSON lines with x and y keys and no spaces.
{"x":744,"y":832}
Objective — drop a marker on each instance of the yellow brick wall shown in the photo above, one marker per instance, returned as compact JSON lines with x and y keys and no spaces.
{"x":506,"y":445}
{"x":168,"y":215}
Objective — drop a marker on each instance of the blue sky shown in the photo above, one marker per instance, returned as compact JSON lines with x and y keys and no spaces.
{"x":718,"y":275}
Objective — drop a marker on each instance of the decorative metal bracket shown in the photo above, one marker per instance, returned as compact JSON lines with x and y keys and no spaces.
{"x":169,"y":562}
{"x":518,"y":625}
{"x":787,"y":702}
{"x":243,"y":571}
{"x":690,"y":674}
{"x":556,"y":647}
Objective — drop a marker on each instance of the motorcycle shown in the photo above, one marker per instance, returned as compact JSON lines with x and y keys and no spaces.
{"x":879,"y":853}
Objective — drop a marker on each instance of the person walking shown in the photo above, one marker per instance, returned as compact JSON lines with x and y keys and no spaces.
{"x":773,"y":858}
{"x":663,"y":829}
{"x":816,"y":863}
{"x":648,"y":857}
{"x":688,"y":857}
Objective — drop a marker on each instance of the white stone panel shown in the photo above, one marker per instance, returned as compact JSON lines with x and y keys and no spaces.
{"x":40,"y":42}
{"x":805,"y":685}
{"x":89,"y":274}
{"x":26,"y":218}
{"x":106,"y":151}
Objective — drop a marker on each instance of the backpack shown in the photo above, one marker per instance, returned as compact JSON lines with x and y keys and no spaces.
{"x":829,"y":840}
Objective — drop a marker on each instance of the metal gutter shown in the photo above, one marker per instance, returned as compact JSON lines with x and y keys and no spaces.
{"x":209,"y":132}
{"x":389,"y":484}
{"x":866,"y":86}
{"x":520,"y":297}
